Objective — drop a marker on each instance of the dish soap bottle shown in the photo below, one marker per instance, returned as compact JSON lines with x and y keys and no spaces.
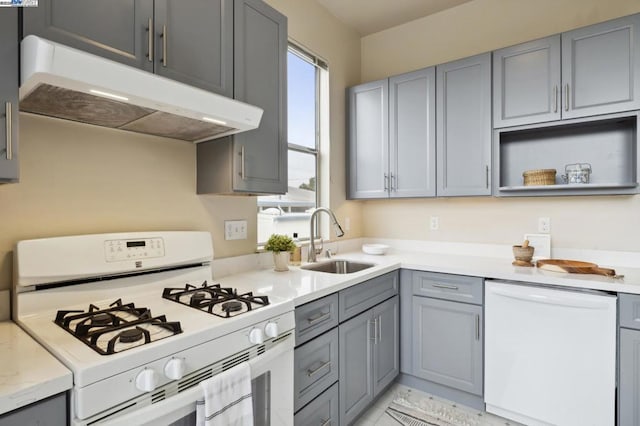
{"x":296,"y":256}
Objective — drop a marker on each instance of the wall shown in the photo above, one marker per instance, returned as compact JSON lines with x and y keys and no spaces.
{"x":611,"y":223}
{"x":77,"y":178}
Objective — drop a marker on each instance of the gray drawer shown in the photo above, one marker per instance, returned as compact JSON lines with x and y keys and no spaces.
{"x":314,"y":318}
{"x":363,"y":296}
{"x":315,"y":367}
{"x":629,"y":310}
{"x":48,"y":412}
{"x":458,"y":288}
{"x":322,"y":411}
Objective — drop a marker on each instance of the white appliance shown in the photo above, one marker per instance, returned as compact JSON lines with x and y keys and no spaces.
{"x":550,"y":355}
{"x":153,"y":347}
{"x":63,"y":82}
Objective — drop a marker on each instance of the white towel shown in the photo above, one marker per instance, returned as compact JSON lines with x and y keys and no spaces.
{"x":227,"y":399}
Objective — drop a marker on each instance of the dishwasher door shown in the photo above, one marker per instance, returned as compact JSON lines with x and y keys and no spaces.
{"x":550,"y":355}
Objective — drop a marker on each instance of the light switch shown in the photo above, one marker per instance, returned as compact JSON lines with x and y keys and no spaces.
{"x":235,"y":230}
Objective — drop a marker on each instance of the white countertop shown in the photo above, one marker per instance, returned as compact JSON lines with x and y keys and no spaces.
{"x":29,"y":373}
{"x":303,"y":286}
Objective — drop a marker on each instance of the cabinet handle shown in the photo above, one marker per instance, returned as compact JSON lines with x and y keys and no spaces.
{"x":311,"y":373}
{"x":317,"y":318}
{"x":375,"y":330}
{"x":379,"y":329}
{"x":450,"y":287}
{"x":324,"y":422}
{"x":566,"y":97}
{"x":486,"y":169}
{"x":150,"y":40}
{"x":386,"y":182}
{"x":555,"y":98}
{"x":393,"y":182}
{"x":9,"y":127}
{"x":242,"y":171}
{"x":164,"y":45}
{"x":477,"y":327}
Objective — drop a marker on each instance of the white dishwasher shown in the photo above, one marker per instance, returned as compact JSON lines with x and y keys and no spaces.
{"x":550,"y":355}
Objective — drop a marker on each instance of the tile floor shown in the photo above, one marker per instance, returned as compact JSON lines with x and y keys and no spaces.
{"x":376,"y":416}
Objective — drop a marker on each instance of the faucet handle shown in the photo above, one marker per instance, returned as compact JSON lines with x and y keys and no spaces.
{"x":329,"y":253}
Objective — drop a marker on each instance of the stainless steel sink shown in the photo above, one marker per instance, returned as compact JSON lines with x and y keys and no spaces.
{"x":337,"y":266}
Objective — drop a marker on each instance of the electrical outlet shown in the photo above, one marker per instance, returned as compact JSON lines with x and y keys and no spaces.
{"x":235,"y":230}
{"x":347,"y":224}
{"x":435,"y":223}
{"x":544,"y":225}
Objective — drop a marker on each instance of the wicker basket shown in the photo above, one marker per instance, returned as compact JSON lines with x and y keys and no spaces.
{"x":539,"y":177}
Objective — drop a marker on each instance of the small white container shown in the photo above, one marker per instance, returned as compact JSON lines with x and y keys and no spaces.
{"x":377,"y":249}
{"x":577,"y":173}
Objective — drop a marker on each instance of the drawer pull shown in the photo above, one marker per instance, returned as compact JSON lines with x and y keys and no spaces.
{"x":311,"y":373}
{"x":317,"y":318}
{"x":449,"y":287}
{"x":324,"y":422}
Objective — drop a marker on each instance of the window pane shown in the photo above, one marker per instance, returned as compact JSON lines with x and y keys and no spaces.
{"x":301,"y":80}
{"x":289,"y":213}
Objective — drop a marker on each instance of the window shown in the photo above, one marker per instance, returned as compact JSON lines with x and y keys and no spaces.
{"x":289,"y":213}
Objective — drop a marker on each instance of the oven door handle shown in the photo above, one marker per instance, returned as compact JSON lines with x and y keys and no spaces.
{"x":182,"y":404}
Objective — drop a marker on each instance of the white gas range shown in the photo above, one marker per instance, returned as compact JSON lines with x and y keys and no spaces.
{"x":139,"y":321}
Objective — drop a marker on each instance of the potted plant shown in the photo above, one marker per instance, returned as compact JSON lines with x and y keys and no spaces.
{"x":281,"y":246}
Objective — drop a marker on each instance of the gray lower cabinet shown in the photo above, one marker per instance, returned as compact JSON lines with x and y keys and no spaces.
{"x":369,"y":358}
{"x":9,"y":69}
{"x":463,"y":129}
{"x":629,"y":360}
{"x":392,"y":137}
{"x":52,"y":411}
{"x":253,"y":162}
{"x":323,"y":411}
{"x":190,"y":41}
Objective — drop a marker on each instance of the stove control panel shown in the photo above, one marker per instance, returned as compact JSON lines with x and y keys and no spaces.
{"x":122,"y":250}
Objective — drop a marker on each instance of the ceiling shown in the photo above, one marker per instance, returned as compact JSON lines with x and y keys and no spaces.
{"x":371,"y":16}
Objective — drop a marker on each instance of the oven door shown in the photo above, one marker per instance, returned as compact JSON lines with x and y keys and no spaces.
{"x":272,"y":386}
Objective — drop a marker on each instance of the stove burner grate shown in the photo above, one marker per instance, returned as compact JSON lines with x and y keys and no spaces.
{"x":221,"y":301}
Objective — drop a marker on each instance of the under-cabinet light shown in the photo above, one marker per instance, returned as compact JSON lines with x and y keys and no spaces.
{"x":213,"y":120}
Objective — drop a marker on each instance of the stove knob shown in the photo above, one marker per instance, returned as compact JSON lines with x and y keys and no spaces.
{"x":146,"y":380}
{"x":271,"y":330}
{"x":174,"y":369}
{"x":256,"y":337}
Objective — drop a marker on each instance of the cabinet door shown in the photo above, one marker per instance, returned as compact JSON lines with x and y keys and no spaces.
{"x":464,"y":126}
{"x":194,"y":43}
{"x":386,"y":356}
{"x":114,"y":29}
{"x":260,"y":78}
{"x":9,"y":48}
{"x":356,"y":385}
{"x":368,"y":174}
{"x":629,"y":378}
{"x":601,"y":68}
{"x":448,"y":343}
{"x":412,"y":134}
{"x":526,"y":83}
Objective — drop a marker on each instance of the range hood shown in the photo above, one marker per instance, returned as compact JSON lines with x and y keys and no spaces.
{"x":66,"y":83}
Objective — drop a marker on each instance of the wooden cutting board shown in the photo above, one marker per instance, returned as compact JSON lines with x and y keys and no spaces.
{"x":574,"y":267}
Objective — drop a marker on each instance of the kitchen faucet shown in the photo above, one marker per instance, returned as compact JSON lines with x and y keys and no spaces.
{"x":313,"y":252}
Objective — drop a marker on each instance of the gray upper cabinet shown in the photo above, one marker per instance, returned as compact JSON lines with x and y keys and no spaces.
{"x":463,"y":93}
{"x":117,"y":30}
{"x":9,"y":50}
{"x":190,"y":41}
{"x":392,"y":137}
{"x":526,"y":83}
{"x":253,"y":162}
{"x":194,"y":43}
{"x":368,"y":140}
{"x":588,"y":71}
{"x":601,"y":68}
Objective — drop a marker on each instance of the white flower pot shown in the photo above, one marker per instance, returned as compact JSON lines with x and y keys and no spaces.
{"x":281,"y":261}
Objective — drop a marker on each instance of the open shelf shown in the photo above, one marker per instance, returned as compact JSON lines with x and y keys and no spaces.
{"x":564,"y":187}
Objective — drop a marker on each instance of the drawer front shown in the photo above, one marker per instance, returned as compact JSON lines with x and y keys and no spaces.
{"x":629,"y":310}
{"x":316,"y":367}
{"x":314,"y":318}
{"x":363,"y":296}
{"x":458,"y":288}
{"x":322,"y":411}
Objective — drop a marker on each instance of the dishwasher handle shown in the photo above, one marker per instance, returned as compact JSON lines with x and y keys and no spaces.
{"x":558,"y":300}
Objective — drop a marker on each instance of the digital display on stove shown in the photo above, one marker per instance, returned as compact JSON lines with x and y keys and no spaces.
{"x":135,"y":244}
